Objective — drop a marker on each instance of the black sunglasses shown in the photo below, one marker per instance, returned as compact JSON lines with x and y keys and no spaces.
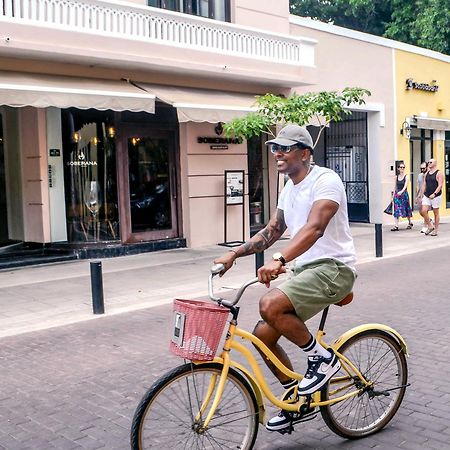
{"x":282,"y":148}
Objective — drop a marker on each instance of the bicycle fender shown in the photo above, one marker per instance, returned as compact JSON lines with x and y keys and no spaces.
{"x":245,"y":372}
{"x":370,"y":326}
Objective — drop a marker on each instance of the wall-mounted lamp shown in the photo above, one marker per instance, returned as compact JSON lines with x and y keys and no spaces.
{"x":95,"y":140}
{"x":406,"y":130}
{"x":111,"y":132}
{"x":76,"y":137}
{"x":135,"y":140}
{"x":219,"y":128}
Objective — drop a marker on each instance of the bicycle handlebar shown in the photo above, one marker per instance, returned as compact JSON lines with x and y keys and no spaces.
{"x":215,"y":270}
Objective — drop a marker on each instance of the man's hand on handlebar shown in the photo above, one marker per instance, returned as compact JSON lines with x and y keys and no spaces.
{"x":227,"y":260}
{"x":270,"y":271}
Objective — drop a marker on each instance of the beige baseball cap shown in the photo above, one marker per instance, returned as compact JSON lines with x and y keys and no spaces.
{"x":291,"y":135}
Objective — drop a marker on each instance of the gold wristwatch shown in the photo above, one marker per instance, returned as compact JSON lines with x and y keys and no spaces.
{"x":279,"y":257}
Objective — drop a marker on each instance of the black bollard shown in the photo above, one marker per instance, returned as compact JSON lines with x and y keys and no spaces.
{"x":98,"y":305}
{"x":259,"y":257}
{"x":259,"y":261}
{"x":378,"y":241}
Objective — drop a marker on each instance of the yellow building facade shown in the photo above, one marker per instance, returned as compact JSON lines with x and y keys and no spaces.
{"x":423,"y":116}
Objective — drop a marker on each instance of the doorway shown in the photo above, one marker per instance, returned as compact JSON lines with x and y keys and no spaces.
{"x":3,"y":206}
{"x":147,"y":184}
{"x":421,"y":150}
{"x":346,"y":152}
{"x":447,"y":168}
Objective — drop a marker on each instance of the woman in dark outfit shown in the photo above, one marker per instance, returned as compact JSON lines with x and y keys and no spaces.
{"x":402,"y":207}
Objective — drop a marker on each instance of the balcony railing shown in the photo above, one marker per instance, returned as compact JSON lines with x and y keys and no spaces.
{"x":154,"y":25}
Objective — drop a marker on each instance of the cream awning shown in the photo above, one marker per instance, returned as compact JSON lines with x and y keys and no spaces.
{"x":433,"y":124}
{"x":19,"y":89}
{"x":203,"y":105}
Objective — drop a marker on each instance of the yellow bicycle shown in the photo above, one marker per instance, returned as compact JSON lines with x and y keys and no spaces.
{"x":215,"y":402}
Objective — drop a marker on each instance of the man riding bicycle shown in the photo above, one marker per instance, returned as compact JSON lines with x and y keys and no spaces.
{"x":313,"y":206}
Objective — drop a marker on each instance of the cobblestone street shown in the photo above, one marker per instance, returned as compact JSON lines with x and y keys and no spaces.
{"x":76,"y":386}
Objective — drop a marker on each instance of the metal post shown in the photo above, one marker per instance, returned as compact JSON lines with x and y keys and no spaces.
{"x":259,"y":261}
{"x":98,"y":304}
{"x":378,"y":241}
{"x":259,"y":257}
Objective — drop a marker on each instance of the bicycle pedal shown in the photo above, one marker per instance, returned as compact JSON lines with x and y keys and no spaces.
{"x":305,"y":418}
{"x":288,"y":430}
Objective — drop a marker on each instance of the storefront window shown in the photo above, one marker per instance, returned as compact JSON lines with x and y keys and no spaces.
{"x":421,"y":149}
{"x":213,"y":9}
{"x":447,"y":168}
{"x":90,"y":175}
{"x":3,"y":208}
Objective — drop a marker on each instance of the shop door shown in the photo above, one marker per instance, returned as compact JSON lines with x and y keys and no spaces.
{"x":421,"y":150}
{"x":148,"y":188}
{"x":346,"y":153}
{"x":447,"y":168}
{"x":3,"y":207}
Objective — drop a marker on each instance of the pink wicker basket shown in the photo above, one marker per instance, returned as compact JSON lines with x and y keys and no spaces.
{"x":197,"y":329}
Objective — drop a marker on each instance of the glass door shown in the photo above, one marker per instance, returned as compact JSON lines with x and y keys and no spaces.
{"x":421,"y":150}
{"x":149,"y":188}
{"x":3,"y":207}
{"x":447,"y":168}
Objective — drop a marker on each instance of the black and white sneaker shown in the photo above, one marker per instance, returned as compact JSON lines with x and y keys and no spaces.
{"x":320,"y":370}
{"x":282,"y":420}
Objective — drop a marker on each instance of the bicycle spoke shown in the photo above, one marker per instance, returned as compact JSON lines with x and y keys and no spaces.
{"x":169,"y":420}
{"x":378,"y":358}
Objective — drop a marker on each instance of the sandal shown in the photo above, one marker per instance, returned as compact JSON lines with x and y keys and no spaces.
{"x":409,"y":226}
{"x":433,"y":233}
{"x":429,"y":231}
{"x":394,"y":229}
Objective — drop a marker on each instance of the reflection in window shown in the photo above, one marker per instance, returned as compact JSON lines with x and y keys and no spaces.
{"x":150,"y":199}
{"x":90,"y":176}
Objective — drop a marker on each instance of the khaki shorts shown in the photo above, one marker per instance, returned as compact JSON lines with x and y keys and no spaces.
{"x":435,"y":202}
{"x":318,"y":284}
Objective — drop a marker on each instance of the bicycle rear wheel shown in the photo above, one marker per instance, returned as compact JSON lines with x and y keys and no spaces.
{"x":166,"y":416}
{"x":380,"y":359}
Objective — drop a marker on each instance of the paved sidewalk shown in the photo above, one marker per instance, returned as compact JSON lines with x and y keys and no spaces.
{"x":40,"y":297}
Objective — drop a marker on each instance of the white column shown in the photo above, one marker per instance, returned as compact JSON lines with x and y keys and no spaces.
{"x":58,"y":228}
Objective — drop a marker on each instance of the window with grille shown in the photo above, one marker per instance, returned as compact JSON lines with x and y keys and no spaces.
{"x":212,"y":9}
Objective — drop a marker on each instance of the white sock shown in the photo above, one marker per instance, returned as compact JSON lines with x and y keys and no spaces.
{"x":313,"y":348}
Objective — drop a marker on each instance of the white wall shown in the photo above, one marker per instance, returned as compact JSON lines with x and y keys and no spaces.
{"x":58,"y":227}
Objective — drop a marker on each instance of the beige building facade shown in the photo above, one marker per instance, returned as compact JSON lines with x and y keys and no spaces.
{"x":111,"y":113}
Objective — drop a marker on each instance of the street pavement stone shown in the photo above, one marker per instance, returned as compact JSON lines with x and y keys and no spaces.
{"x":76,"y":386}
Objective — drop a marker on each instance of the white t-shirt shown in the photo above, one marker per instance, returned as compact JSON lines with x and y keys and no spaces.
{"x":296,"y":202}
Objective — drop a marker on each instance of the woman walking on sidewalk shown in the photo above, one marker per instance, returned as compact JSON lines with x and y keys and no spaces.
{"x":402,"y":207}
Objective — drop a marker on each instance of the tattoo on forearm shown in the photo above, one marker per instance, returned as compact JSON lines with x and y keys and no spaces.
{"x":266,"y":237}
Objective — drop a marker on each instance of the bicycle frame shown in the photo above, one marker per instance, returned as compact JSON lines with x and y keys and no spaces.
{"x":258,"y":380}
{"x":255,"y":375}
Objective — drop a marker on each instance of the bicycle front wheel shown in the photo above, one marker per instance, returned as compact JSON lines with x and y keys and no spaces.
{"x":380,"y":359}
{"x":171,"y":415}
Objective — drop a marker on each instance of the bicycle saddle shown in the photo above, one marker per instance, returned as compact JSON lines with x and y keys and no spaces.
{"x":346,"y":300}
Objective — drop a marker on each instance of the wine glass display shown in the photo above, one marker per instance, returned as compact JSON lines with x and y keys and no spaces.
{"x":92,"y":196}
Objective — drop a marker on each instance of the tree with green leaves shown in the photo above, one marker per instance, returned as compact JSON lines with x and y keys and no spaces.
{"x":318,"y":107}
{"x":425,"y":23}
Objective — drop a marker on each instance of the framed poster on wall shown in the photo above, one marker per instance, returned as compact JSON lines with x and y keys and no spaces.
{"x":234,"y":187}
